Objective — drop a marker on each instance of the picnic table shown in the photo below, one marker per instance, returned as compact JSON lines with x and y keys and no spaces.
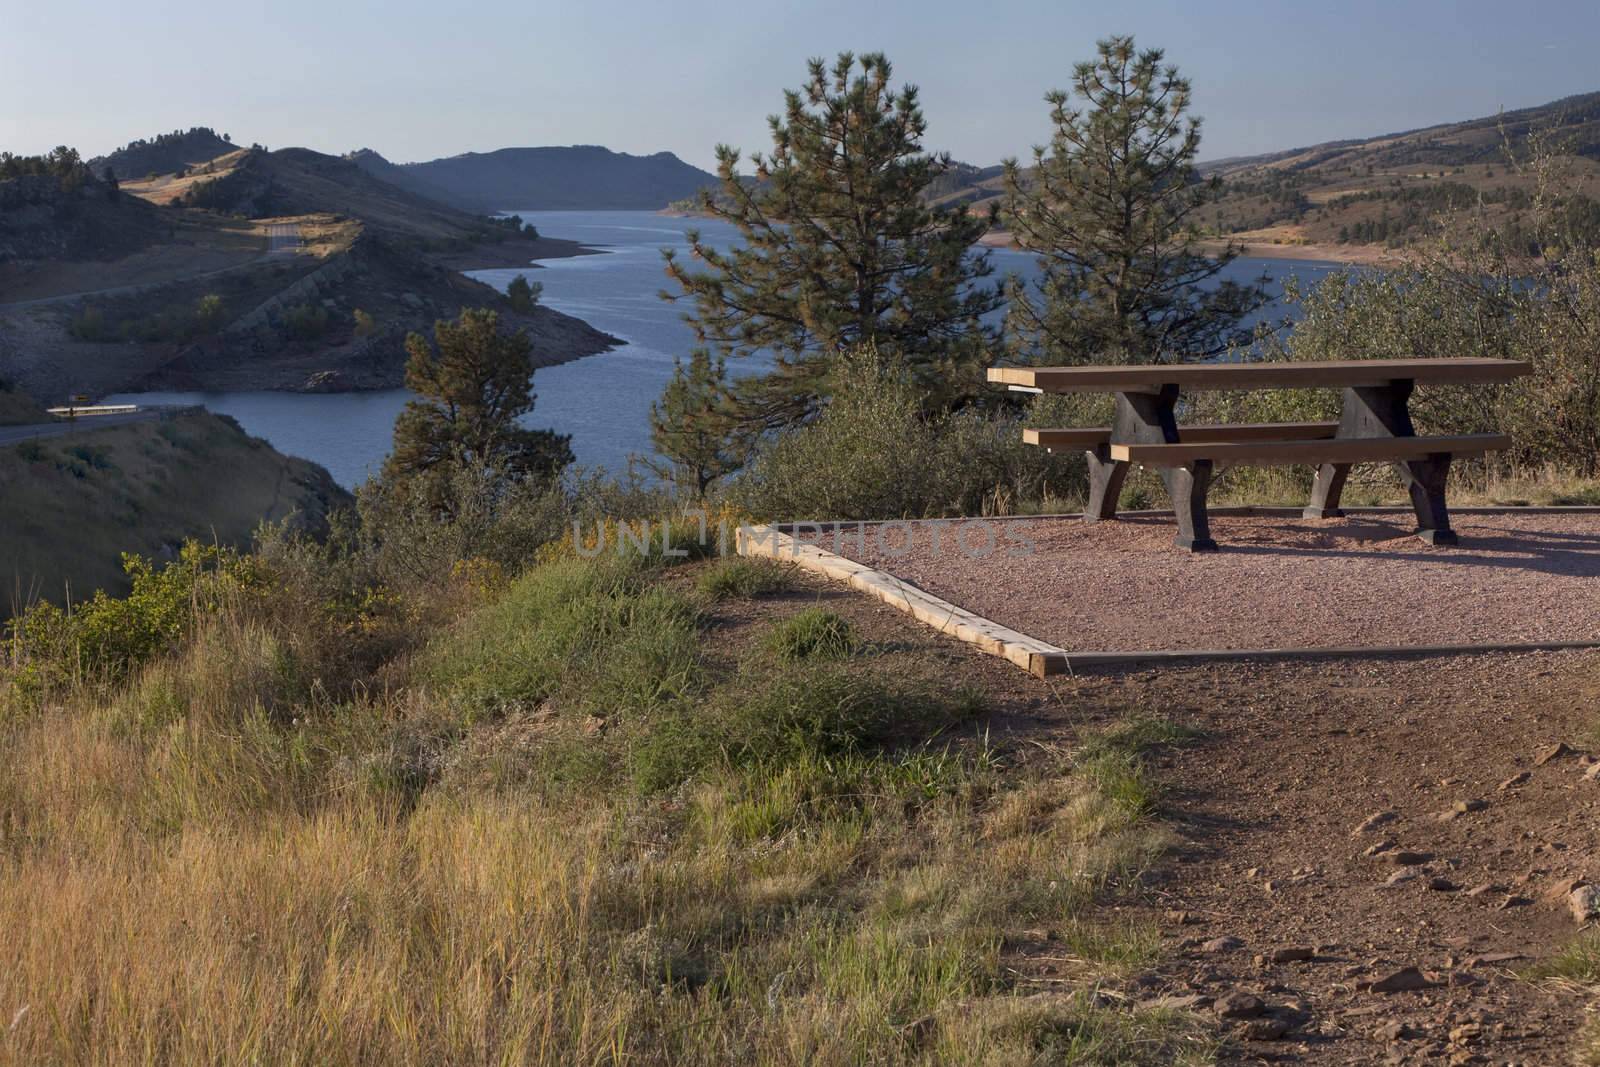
{"x":1375,"y":426}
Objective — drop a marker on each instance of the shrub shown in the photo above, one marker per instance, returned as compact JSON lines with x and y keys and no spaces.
{"x":305,"y":322}
{"x":813,"y":634}
{"x":874,"y":453}
{"x":210,"y":313}
{"x":104,"y":638}
{"x":366,"y":325}
{"x":741,"y":577}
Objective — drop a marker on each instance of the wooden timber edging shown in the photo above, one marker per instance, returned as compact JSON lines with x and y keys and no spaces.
{"x":777,"y":541}
{"x":1029,"y":653}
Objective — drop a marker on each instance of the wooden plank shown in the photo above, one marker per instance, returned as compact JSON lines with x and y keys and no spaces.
{"x":1214,"y":376}
{"x":1089,"y":437}
{"x":1289,"y":453}
{"x":1067,"y":437}
{"x":1029,"y":653}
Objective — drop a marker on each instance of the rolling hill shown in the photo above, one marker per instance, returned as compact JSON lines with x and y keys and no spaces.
{"x":578,"y":177}
{"x":165,"y":153}
{"x":1360,"y":197}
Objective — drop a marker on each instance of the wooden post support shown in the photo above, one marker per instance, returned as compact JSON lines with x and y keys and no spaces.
{"x":1106,"y":476}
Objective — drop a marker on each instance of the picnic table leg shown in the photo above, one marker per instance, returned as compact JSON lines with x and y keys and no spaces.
{"x":1385,"y":411}
{"x":1188,"y":487}
{"x":1425,"y":480}
{"x":1106,"y":476}
{"x":1149,"y":418}
{"x":1326,"y":490}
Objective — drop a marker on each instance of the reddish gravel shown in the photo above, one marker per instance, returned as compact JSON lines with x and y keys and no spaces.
{"x":1277,"y":582}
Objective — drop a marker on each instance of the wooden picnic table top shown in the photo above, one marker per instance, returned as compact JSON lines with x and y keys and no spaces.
{"x":1341,"y":373}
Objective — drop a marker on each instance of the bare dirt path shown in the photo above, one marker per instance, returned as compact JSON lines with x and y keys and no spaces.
{"x":1266,"y":859}
{"x":1279,"y":855}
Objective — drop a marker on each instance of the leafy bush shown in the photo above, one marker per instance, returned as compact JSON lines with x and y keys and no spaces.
{"x":874,"y":453}
{"x":101,"y":640}
{"x":210,"y":313}
{"x":813,"y":634}
{"x":305,"y":322}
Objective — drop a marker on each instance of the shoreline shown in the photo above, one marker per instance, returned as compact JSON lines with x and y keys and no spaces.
{"x":1344,"y":255}
{"x":512,"y":253}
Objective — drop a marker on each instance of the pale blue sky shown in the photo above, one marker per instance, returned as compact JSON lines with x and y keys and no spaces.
{"x":417,"y":80}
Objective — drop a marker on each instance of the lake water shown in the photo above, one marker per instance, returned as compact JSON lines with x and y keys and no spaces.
{"x":602,"y":401}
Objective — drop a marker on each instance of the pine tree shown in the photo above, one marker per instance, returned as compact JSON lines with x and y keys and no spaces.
{"x":1110,"y":208}
{"x":839,"y":249}
{"x":693,"y":428}
{"x":523,"y":295}
{"x":473,"y":385}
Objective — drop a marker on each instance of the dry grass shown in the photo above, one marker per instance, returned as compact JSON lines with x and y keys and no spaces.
{"x":222,"y":862}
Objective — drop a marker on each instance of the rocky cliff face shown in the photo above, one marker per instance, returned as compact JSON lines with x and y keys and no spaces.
{"x":47,"y":217}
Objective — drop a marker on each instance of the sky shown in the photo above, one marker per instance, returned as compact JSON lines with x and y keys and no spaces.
{"x":419,"y":80}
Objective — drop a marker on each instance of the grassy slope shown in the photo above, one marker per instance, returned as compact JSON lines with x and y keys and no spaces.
{"x":73,"y":504}
{"x":595,"y":822}
{"x":18,"y":409}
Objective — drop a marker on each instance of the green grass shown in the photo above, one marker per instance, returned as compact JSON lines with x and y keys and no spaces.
{"x":568,"y":829}
{"x":739,"y":577}
{"x":813,"y":634}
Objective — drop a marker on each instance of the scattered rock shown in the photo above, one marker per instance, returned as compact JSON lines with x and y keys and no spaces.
{"x":1585,"y":903}
{"x":1448,"y":815}
{"x":1520,"y":778}
{"x":1489,"y":959}
{"x":1270,"y":1028}
{"x":1185,"y":1002}
{"x":1442,"y":885}
{"x":1551,"y":752}
{"x":1375,"y":820}
{"x":1563,"y":888}
{"x":1514,"y":901}
{"x":1292,"y":954}
{"x":1403,"y":875}
{"x":1404,"y":980}
{"x":1237,"y":1005}
{"x":1593,"y":773}
{"x":1485,"y":889}
{"x":1222,"y":944}
{"x":1386,"y":845}
{"x":1400,"y":1032}
{"x":1182,"y":918}
{"x":1407,"y":858}
{"x":1468,"y":806}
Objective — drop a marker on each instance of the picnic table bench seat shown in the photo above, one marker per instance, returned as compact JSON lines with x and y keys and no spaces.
{"x":1375,"y":426}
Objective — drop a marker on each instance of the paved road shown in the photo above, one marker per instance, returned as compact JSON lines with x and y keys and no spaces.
{"x":10,"y":435}
{"x":283,"y":238}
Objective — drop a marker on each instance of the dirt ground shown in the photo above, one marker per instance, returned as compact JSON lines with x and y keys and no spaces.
{"x":1267,"y":859}
{"x":1277,"y":582}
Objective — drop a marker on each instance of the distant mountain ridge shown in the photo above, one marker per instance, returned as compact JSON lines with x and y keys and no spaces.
{"x":571,"y":178}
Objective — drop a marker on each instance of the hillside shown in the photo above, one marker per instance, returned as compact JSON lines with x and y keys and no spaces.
{"x":74,"y":503}
{"x":165,"y":153}
{"x":54,"y":208}
{"x":1359,"y":198}
{"x":579,"y":177}
{"x":256,"y":183}
{"x":288,"y":269}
